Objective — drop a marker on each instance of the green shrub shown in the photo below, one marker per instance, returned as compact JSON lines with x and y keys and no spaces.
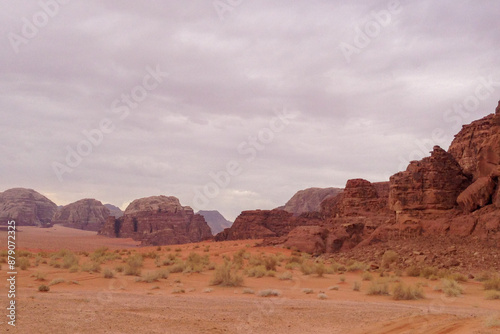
{"x":403,"y":292}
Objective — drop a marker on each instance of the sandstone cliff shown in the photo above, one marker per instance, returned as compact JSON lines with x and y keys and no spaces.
{"x":86,"y":214}
{"x":26,"y":207}
{"x":158,"y":220}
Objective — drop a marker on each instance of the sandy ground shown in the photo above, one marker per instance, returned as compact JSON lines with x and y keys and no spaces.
{"x":89,"y":303}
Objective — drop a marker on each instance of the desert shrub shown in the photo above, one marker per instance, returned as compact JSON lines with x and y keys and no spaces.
{"x":413,"y":271}
{"x":458,"y":277}
{"x":39,"y":276}
{"x":378,"y":288}
{"x":225,"y":276}
{"x":208,"y":290}
{"x":150,"y":277}
{"x":57,"y":281}
{"x":150,"y":255}
{"x":74,"y":268}
{"x":320,"y":269}
{"x":43,"y":288}
{"x":357,"y":266}
{"x":286,"y":276}
{"x":91,"y":267}
{"x":248,"y":291}
{"x":196,"y":263}
{"x":23,"y":263}
{"x":271,"y":262}
{"x":178,"y":250}
{"x":238,"y":258}
{"x":99,"y":254}
{"x":134,"y":265}
{"x":334,"y":288}
{"x":108,"y":273}
{"x":389,"y":258}
{"x":69,"y":260}
{"x":492,"y":295}
{"x":366,"y":276}
{"x":307,"y":291}
{"x":485,"y":276}
{"x":342,"y":278}
{"x":206,"y":249}
{"x":451,"y":288}
{"x":294,"y":260}
{"x":178,"y":267}
{"x":427,"y":272}
{"x":119,"y":268}
{"x":356,"y":286}
{"x":307,"y":268}
{"x":322,"y":296}
{"x":178,"y":291}
{"x":492,"y":283}
{"x":269,"y":293}
{"x":404,"y":292}
{"x":257,"y":272}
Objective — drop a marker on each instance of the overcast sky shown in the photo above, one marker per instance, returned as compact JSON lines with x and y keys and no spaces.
{"x":361,"y":88}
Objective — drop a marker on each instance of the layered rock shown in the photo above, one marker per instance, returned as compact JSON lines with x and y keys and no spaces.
{"x":114,"y":210}
{"x":477,"y":195}
{"x":477,"y":146}
{"x":431,"y":183}
{"x":27,"y":207}
{"x":86,"y":214}
{"x":309,"y":200}
{"x":215,"y":220}
{"x":158,"y":220}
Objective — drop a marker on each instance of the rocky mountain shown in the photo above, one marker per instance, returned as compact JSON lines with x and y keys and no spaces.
{"x":450,"y":194}
{"x":114,"y":210}
{"x":86,"y":214}
{"x":215,"y":220}
{"x":309,"y":200}
{"x":27,"y":207}
{"x":158,"y":220}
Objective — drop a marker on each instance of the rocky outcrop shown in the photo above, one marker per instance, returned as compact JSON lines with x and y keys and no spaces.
{"x":431,"y":183}
{"x":477,"y":195}
{"x":27,"y":207}
{"x":215,"y":220}
{"x":309,"y":200}
{"x":477,"y":146}
{"x":86,"y":214}
{"x":158,"y":220}
{"x":114,"y":210}
{"x":258,"y":224}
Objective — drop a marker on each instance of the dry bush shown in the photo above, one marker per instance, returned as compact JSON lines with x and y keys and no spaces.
{"x":225,"y":276}
{"x":108,"y":273}
{"x":378,"y":288}
{"x":356,"y":286}
{"x":43,"y":288}
{"x":269,"y":293}
{"x":492,"y":295}
{"x":57,"y":281}
{"x":404,"y":292}
{"x":413,"y":271}
{"x":286,"y":276}
{"x":389,"y":258}
{"x":492,"y":283}
{"x":451,"y":288}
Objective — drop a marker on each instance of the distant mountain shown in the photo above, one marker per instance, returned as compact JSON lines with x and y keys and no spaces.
{"x":86,"y":214}
{"x":27,"y":207}
{"x":309,"y":200}
{"x":215,"y":220}
{"x":114,"y":210}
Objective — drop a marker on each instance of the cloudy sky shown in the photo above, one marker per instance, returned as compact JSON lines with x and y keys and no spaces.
{"x":234,"y":104}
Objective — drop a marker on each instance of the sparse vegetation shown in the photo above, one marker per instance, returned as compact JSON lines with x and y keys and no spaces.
{"x":335,"y":288}
{"x":451,"y":288}
{"x":178,"y":291}
{"x":91,"y":267}
{"x":378,"y":288}
{"x":286,"y":276}
{"x":248,"y":291}
{"x":225,"y":276}
{"x":43,"y":288}
{"x":57,"y":281}
{"x":413,"y":271}
{"x":366,"y":276}
{"x":493,"y":283}
{"x":407,"y":292}
{"x":322,"y":296}
{"x":492,"y":295}
{"x":356,"y":286}
{"x":307,"y":291}
{"x":39,"y":276}
{"x":108,"y":273}
{"x":23,"y":263}
{"x":269,"y":293}
{"x":134,"y":265}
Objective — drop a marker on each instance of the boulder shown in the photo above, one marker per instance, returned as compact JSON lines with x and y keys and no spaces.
{"x":86,"y":214}
{"x":309,"y":239}
{"x":27,"y":207}
{"x":477,"y":195}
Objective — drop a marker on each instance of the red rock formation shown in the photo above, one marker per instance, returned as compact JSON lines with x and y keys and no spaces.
{"x":86,"y":214}
{"x":431,"y":183}
{"x":309,"y":200}
{"x":26,"y":207}
{"x":477,"y":195}
{"x":158,"y":220}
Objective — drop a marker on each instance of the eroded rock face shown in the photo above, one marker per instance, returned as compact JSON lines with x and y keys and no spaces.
{"x":477,"y":146}
{"x":158,"y":220}
{"x":27,"y":207}
{"x":86,"y":214}
{"x":431,"y":183}
{"x":259,"y":224}
{"x":477,"y":195}
{"x":309,"y":200}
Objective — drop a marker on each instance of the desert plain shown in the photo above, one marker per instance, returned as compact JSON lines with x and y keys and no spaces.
{"x":103,"y":285}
